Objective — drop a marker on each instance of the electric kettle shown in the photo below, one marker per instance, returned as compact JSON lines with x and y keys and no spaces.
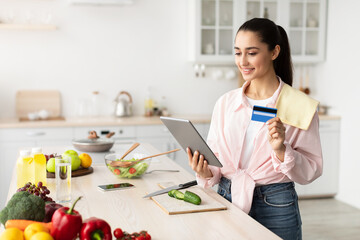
{"x":123,"y":107}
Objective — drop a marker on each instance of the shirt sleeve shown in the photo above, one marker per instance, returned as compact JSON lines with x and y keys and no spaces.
{"x":209,"y":182}
{"x":303,"y":162}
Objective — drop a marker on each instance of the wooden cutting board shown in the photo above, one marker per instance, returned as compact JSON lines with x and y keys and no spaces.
{"x":28,"y":101}
{"x":76,"y":173}
{"x":174,"y":206}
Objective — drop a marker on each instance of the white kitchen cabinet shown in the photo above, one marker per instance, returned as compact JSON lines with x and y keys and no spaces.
{"x":213,"y":25}
{"x":306,"y":28}
{"x":328,"y":184}
{"x":157,"y":135}
{"x":160,"y":137}
{"x":11,"y":140}
{"x":35,"y":134}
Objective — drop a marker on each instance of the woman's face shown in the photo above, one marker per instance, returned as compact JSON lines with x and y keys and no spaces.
{"x":253,"y":57}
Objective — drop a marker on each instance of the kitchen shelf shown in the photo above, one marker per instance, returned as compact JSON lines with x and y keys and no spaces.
{"x":42,"y":27}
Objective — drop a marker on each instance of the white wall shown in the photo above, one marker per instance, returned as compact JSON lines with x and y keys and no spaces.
{"x":338,"y":85}
{"x":108,"y":49}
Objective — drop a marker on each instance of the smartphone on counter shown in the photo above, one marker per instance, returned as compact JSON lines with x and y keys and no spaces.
{"x":115,"y":186}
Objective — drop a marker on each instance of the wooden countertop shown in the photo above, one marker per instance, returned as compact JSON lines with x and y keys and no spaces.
{"x":128,"y":209}
{"x":110,"y":121}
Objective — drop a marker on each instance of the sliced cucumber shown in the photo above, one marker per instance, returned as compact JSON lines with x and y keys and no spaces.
{"x":171,"y":193}
{"x":192,"y":198}
{"x":189,"y":197}
{"x":178,"y":195}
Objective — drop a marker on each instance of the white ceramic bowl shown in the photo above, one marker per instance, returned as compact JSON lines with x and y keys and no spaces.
{"x":44,"y":114}
{"x":33,"y":116}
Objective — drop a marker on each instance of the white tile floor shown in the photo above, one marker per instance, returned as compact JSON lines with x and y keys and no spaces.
{"x":328,"y":219}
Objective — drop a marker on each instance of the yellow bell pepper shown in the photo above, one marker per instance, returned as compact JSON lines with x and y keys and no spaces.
{"x":12,"y":234}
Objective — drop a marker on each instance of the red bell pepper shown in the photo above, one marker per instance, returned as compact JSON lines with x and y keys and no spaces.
{"x":95,"y":229}
{"x":66,"y":223}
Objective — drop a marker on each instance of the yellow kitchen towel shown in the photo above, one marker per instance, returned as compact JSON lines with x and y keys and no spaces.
{"x":295,"y":108}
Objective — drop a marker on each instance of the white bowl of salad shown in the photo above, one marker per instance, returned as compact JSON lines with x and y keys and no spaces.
{"x":133,"y":171}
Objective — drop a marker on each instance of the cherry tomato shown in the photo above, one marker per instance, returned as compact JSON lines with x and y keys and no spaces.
{"x":116,"y":171}
{"x":147,"y":236}
{"x":118,"y":233}
{"x":132,"y":170}
{"x":141,"y":237}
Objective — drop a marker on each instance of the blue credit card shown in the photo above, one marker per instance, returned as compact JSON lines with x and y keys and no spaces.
{"x":263,"y":114}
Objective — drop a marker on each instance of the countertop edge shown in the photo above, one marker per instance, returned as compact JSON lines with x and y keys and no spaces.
{"x":112,"y":121}
{"x":98,"y":121}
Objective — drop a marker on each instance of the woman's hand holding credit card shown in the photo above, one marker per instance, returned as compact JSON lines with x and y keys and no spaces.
{"x":275,"y":126}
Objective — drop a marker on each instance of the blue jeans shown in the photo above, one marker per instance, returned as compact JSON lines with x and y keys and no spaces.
{"x":275,"y":206}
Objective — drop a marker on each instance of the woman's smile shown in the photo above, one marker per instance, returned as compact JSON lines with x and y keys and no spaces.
{"x":247,"y":71}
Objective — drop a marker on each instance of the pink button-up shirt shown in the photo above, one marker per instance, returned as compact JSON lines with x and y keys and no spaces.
{"x":231,"y":116}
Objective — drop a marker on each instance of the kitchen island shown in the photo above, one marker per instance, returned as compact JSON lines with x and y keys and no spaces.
{"x":128,"y":209}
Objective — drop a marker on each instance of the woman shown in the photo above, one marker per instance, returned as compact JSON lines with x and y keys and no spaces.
{"x":261,"y":161}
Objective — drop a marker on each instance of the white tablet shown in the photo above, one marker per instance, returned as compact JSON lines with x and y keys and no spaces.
{"x":187,"y":136}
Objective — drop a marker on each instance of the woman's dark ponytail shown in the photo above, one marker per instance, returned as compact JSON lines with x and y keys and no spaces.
{"x":283,"y":64}
{"x":273,"y":35}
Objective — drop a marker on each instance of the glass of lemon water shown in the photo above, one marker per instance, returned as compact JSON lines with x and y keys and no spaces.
{"x":63,"y":179}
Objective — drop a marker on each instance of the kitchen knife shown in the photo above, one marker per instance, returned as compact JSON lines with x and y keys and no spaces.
{"x":176,"y":187}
